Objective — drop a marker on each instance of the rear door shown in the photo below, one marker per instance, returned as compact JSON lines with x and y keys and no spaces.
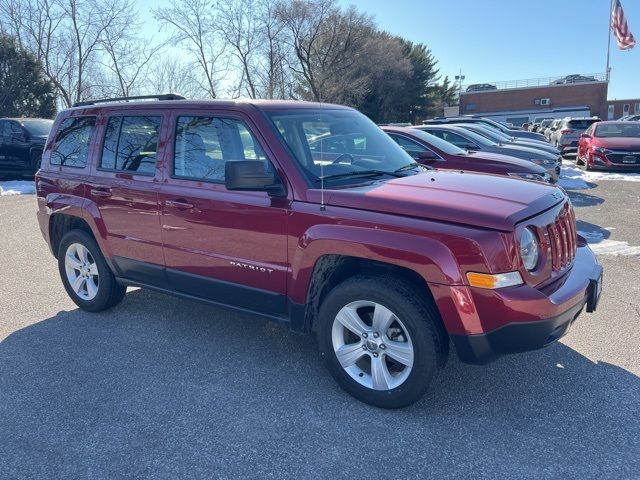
{"x":225,"y":246}
{"x":124,"y":187}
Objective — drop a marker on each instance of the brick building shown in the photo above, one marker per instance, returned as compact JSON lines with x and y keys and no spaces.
{"x":521,"y":101}
{"x":618,"y":108}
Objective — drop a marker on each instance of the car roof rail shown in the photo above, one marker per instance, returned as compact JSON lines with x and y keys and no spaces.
{"x":164,"y":96}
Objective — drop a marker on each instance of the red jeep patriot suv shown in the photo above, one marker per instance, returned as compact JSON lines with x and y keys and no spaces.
{"x":237,"y":203}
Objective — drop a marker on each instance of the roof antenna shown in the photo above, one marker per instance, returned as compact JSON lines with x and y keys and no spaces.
{"x":322,"y":207}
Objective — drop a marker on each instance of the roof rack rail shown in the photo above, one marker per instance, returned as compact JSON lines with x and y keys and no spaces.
{"x":165,"y":96}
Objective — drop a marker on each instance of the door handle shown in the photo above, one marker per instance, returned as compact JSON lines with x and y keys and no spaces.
{"x":100,"y":192}
{"x":179,"y":204}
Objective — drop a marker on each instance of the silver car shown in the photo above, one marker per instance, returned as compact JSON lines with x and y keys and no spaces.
{"x":552,"y":128}
{"x":565,"y":138}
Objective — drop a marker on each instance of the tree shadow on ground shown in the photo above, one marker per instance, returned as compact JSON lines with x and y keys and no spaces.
{"x":592,"y":232}
{"x":579,"y":199}
{"x":161,"y":387}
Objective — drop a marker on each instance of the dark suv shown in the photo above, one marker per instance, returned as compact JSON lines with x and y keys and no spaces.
{"x":309,"y":214}
{"x":21,"y":143}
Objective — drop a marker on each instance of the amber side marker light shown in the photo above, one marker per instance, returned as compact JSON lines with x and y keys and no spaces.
{"x":496,"y":280}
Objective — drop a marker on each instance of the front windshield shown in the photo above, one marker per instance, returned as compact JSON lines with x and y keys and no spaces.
{"x":37,"y":127}
{"x":438,"y":143}
{"x":486,"y":122}
{"x":336,"y":143}
{"x":626,"y":129}
{"x":493,"y":135}
{"x":474,"y":137}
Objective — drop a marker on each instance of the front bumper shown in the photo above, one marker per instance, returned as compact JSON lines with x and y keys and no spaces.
{"x":524,"y":318}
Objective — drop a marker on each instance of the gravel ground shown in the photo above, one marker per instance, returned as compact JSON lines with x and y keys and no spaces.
{"x":164,"y":388}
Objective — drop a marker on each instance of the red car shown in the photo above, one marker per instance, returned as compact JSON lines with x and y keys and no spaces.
{"x":430,"y":150}
{"x":225,"y":202}
{"x":610,"y":145}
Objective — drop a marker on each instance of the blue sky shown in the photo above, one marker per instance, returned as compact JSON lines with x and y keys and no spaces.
{"x":497,"y":40}
{"x":494,"y":40}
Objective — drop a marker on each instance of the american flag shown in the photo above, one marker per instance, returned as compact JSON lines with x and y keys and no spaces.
{"x":620,"y":28}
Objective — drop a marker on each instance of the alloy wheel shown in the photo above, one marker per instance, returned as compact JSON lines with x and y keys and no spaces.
{"x":372,"y":345}
{"x":82,"y":271}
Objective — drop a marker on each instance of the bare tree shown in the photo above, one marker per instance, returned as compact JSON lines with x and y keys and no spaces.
{"x":195,"y":25}
{"x":128,"y":58}
{"x":66,"y":36}
{"x":170,"y":74}
{"x":328,"y":44}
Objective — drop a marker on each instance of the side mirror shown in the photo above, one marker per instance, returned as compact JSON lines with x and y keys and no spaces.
{"x":426,"y":155}
{"x":584,"y":135}
{"x":471,"y":146}
{"x":252,"y":176}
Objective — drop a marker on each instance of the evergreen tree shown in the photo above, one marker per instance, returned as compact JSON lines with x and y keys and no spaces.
{"x":24,"y":90}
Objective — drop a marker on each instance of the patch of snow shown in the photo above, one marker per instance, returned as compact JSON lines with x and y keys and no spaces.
{"x":614,"y":247}
{"x":17,"y":187}
{"x":573,"y":177}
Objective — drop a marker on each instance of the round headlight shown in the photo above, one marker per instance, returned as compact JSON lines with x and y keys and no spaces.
{"x":529,"y":249}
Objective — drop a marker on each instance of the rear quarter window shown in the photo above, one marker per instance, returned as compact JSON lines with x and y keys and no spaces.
{"x":71,"y":147}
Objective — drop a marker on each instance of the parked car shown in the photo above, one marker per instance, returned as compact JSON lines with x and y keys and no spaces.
{"x":488,"y":122}
{"x":504,"y":139}
{"x":552,"y":128}
{"x":21,"y":143}
{"x":480,"y":87}
{"x":610,"y":145}
{"x":432,"y":151}
{"x":544,"y":125}
{"x":537,"y":122}
{"x":630,"y":118}
{"x":224,"y":202}
{"x":471,"y":141}
{"x":575,"y":78}
{"x":566,"y":136}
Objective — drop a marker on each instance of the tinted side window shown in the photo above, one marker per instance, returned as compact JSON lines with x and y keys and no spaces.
{"x":409,"y":146}
{"x":204,"y":144}
{"x":71,"y":148}
{"x":131,"y":143}
{"x":451,"y":137}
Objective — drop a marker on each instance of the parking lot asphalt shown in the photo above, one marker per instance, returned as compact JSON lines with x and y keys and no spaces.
{"x":161,"y":387}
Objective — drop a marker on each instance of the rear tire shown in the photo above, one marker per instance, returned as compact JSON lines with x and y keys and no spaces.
{"x":381,"y":339}
{"x":85,"y":274}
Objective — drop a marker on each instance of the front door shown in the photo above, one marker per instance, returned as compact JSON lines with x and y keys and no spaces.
{"x":225,"y":246}
{"x":14,"y":147}
{"x":124,"y":186}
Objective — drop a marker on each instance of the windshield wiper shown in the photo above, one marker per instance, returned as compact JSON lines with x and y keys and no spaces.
{"x":365,"y":173}
{"x":411,"y":166}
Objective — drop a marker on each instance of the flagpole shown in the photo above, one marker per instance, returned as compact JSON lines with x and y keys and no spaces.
{"x":608,"y":71}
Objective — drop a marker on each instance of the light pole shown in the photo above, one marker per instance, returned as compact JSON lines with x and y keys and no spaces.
{"x":459,"y":78}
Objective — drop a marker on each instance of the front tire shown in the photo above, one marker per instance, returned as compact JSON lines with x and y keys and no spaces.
{"x":381,"y":340}
{"x":85,"y":274}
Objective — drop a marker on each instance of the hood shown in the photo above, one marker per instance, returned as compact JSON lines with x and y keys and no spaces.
{"x":527,"y":135}
{"x":618,"y":143}
{"x":479,"y":200}
{"x":522,"y":151}
{"x":38,"y":138}
{"x":544,"y":146}
{"x":505,"y":160}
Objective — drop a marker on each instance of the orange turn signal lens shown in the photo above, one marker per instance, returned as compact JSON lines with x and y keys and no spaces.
{"x":496,"y":280}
